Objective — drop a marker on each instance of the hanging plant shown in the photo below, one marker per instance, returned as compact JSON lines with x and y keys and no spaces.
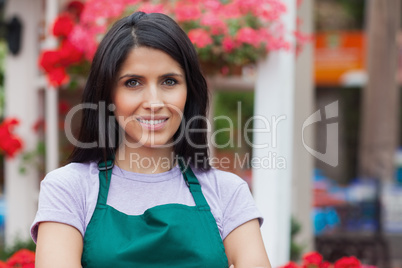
{"x":225,"y":33}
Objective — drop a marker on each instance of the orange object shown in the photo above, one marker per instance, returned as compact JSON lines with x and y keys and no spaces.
{"x":337,"y":53}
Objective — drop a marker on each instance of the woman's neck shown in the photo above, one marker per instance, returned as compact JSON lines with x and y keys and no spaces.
{"x":149,"y":160}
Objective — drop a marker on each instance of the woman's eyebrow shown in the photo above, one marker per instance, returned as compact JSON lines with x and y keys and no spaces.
{"x":171,"y":74}
{"x":131,"y":76}
{"x":140,"y":76}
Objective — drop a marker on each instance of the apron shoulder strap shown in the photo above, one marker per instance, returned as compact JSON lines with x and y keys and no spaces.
{"x":105,"y":175}
{"x":194,"y":185}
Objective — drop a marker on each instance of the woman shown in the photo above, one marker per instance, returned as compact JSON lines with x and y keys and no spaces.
{"x":140,"y":191}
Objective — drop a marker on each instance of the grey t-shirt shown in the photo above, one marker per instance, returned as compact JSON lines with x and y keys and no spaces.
{"x":69,"y":194}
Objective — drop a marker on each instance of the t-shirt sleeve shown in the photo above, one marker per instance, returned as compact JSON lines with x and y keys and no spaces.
{"x":240,"y":209}
{"x":61,"y":199}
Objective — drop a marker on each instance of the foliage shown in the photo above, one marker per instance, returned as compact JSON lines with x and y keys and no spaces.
{"x":295,"y":249}
{"x":6,"y":253}
{"x":229,"y":105}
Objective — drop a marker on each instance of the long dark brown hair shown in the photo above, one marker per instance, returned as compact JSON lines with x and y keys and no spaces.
{"x":152,"y":30}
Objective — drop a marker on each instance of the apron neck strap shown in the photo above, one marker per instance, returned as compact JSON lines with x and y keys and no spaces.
{"x":105,"y":174}
{"x":193,"y":185}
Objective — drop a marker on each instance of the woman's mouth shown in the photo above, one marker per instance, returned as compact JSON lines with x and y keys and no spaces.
{"x":152,"y":124}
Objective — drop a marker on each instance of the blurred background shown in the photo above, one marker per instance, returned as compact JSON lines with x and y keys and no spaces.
{"x":332,"y":67}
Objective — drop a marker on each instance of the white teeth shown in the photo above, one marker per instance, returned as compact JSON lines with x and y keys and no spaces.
{"x":152,"y":122}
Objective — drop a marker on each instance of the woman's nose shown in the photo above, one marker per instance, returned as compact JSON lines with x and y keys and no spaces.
{"x":153,"y":99}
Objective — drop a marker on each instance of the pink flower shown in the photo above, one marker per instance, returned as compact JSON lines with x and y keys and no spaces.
{"x":271,"y":10}
{"x":230,"y":11}
{"x":88,"y":36}
{"x":249,"y":5}
{"x":249,"y":36}
{"x":187,"y":12}
{"x":216,"y":25}
{"x":200,"y":37}
{"x":212,"y":5}
{"x":228,"y":44}
{"x":150,"y":8}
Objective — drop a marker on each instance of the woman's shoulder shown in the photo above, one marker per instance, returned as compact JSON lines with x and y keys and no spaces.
{"x":220,"y":177}
{"x":72,"y":173}
{"x":222,"y":185}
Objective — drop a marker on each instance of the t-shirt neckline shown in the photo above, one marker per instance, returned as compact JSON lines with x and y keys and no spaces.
{"x":144,"y":177}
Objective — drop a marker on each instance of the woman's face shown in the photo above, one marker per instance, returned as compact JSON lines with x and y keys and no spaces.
{"x":149,"y":95}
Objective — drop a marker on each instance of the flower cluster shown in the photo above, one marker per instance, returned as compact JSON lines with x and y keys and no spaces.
{"x":55,"y":62}
{"x":315,"y":260}
{"x":21,"y":259}
{"x":10,"y":144}
{"x":224,"y":32}
{"x":232,"y":32}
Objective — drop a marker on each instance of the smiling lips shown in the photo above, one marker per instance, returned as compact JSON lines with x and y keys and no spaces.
{"x":155,"y":123}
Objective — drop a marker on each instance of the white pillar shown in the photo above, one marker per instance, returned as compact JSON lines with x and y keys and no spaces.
{"x":51,"y":135}
{"x":303,"y":162}
{"x":21,"y":101}
{"x":274,"y":101}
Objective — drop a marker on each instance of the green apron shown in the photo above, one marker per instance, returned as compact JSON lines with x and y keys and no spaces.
{"x":170,"y":235}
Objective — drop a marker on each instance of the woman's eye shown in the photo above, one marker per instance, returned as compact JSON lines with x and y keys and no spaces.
{"x":132,"y":83}
{"x":170,"y":82}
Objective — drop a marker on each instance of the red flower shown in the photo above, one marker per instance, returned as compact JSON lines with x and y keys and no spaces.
{"x":290,"y":265}
{"x":40,"y":124}
{"x":312,"y":259}
{"x":347,"y":262}
{"x":3,"y":265}
{"x":75,"y":8}
{"x":64,"y":107}
{"x":200,"y":37}
{"x":9,"y":143}
{"x":49,"y":60}
{"x":63,"y":25}
{"x":23,"y":258}
{"x":325,"y":264}
{"x":69,"y":54}
{"x":58,"y":77}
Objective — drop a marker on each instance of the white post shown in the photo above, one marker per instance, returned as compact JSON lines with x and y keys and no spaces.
{"x":22,"y":102}
{"x":304,"y":107}
{"x":52,"y":138}
{"x":274,"y":101}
